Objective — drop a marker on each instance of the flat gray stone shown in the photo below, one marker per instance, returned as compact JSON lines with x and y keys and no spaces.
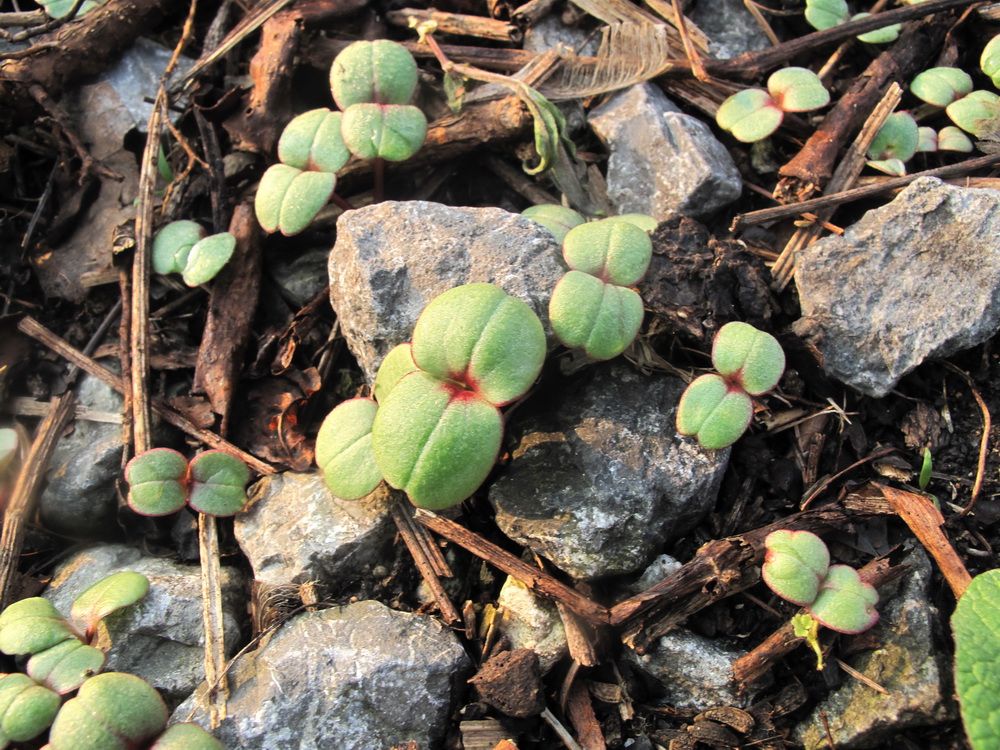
{"x":295,"y":531}
{"x":353,"y":678}
{"x":392,"y":258}
{"x":915,"y":279}
{"x":601,"y":479}
{"x":661,"y":160}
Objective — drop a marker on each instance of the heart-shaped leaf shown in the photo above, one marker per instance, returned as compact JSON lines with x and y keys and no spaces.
{"x":557,"y":219}
{"x":714,"y":412}
{"x":157,"y":482}
{"x":435,"y":440}
{"x":752,"y":359}
{"x":114,"y":592}
{"x":32,"y":625}
{"x":344,"y":449}
{"x":379,"y":72}
{"x":795,"y":565}
{"x":393,"y":132}
{"x":989,"y":61}
{"x":976,"y":625}
{"x":218,"y":483}
{"x":207,"y":258}
{"x":483,"y":338}
{"x":602,"y":319}
{"x":112,"y":710}
{"x":289,"y":198}
{"x":896,"y":139}
{"x":825,"y":14}
{"x":941,"y":86}
{"x":750,"y":115}
{"x":313,"y":141}
{"x":397,"y":363}
{"x":26,"y":708}
{"x":617,"y":252}
{"x":65,"y":666}
{"x":846,"y":602}
{"x":185,"y":737}
{"x":797,"y":90}
{"x":975,"y":112}
{"x":173,"y":244}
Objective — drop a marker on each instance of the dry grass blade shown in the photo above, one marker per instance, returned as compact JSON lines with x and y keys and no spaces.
{"x":212,"y":619}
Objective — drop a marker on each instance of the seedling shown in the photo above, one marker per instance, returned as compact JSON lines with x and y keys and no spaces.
{"x":182,"y":247}
{"x":557,"y":219}
{"x":941,"y":86}
{"x":894,"y":144}
{"x":26,"y":708}
{"x":989,"y":61}
{"x":393,"y":132}
{"x":885,"y":35}
{"x":927,"y":139}
{"x":161,"y":481}
{"x":926,"y":469}
{"x":717,"y":408}
{"x":288,"y":199}
{"x":344,"y":449}
{"x":754,"y":114}
{"x":313,"y":141}
{"x":974,"y":112}
{"x":953,"y":139}
{"x":381,"y":72}
{"x":976,"y":625}
{"x":825,"y":14}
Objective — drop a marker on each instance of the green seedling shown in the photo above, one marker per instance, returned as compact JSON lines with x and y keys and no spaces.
{"x":894,"y":144}
{"x":61,"y":8}
{"x":598,"y":317}
{"x":32,"y":625}
{"x":616,"y":252}
{"x":885,"y":35}
{"x":926,"y":469}
{"x":976,"y":626}
{"x":26,"y":708}
{"x":927,"y":139}
{"x":344,"y":449}
{"x":313,"y":142}
{"x":975,"y":112}
{"x":288,"y":199}
{"x":825,"y":14}
{"x":953,"y":139}
{"x":716,"y":409}
{"x":989,"y":61}
{"x":806,"y":627}
{"x":64,"y":667}
{"x":380,"y":72}
{"x":393,"y":132}
{"x":557,"y":219}
{"x":795,"y":564}
{"x":941,"y":86}
{"x":846,"y":602}
{"x":161,"y":481}
{"x":397,"y":363}
{"x":754,"y":114}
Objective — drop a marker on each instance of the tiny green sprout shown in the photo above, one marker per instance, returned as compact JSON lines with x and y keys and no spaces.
{"x":885,"y":35}
{"x":797,"y":90}
{"x":846,"y":602}
{"x":26,"y":708}
{"x":795,"y":564}
{"x":806,"y":627}
{"x":750,"y":115}
{"x":61,"y":8}
{"x":926,"y":468}
{"x":894,"y":144}
{"x":288,"y":199}
{"x":313,"y":141}
{"x":616,"y":252}
{"x":825,"y":14}
{"x":747,"y":357}
{"x":714,"y":412}
{"x":111,"y":710}
{"x":393,"y":132}
{"x":217,"y":483}
{"x":381,"y":72}
{"x":989,"y":61}
{"x":344,"y":449}
{"x":974,"y":112}
{"x":161,"y":481}
{"x":941,"y":86}
{"x":207,"y":258}
{"x":557,"y":219}
{"x":953,"y":139}
{"x":598,"y":317}
{"x":185,"y":736}
{"x":182,"y":247}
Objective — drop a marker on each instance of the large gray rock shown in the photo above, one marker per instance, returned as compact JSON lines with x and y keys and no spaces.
{"x":601,"y":479}
{"x":917,"y":278}
{"x":353,"y":678}
{"x":661,"y":160}
{"x":160,"y":638}
{"x":908,"y":664}
{"x":392,"y":258}
{"x":295,"y":531}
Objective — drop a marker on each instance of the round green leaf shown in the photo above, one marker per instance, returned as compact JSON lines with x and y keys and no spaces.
{"x":602,"y":319}
{"x":393,"y":132}
{"x":208,"y":257}
{"x":714,"y":412}
{"x":288,"y":198}
{"x":795,"y":564}
{"x":173,"y":243}
{"x":379,"y":72}
{"x":26,"y":708}
{"x":896,"y":139}
{"x":750,"y":115}
{"x":846,"y":602}
{"x":885,"y":35}
{"x":114,"y":592}
{"x":157,"y":482}
{"x":32,"y":625}
{"x":973,"y":112}
{"x":344,"y":449}
{"x":976,"y":625}
{"x":797,"y":90}
{"x":953,"y":139}
{"x":617,"y":252}
{"x":313,"y":141}
{"x":941,"y":86}
{"x":557,"y":219}
{"x":218,"y":483}
{"x":186,"y":737}
{"x":483,"y":338}
{"x":825,"y":14}
{"x":65,"y":666}
{"x":435,"y":440}
{"x":112,"y":711}
{"x":397,"y":363}
{"x":989,"y":61}
{"x":752,"y":359}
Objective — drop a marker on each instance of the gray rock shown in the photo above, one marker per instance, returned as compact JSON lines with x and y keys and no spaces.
{"x":730,"y":27}
{"x":917,"y":278}
{"x":79,"y":500}
{"x":550,"y":32}
{"x":295,"y":531}
{"x":531,"y":622}
{"x":908,"y":664}
{"x":695,"y":672}
{"x":353,"y":678}
{"x":160,"y":638}
{"x":302,"y":279}
{"x":661,"y":160}
{"x":392,"y":258}
{"x":601,"y":479}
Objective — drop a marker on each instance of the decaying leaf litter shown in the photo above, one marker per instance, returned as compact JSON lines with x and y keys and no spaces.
{"x":238,"y":367}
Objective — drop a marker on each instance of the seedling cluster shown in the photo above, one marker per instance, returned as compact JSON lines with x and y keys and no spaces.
{"x":185,"y":247}
{"x":754,"y":114}
{"x":825,"y":14}
{"x":161,"y":481}
{"x":372,"y":83}
{"x":716,"y":408}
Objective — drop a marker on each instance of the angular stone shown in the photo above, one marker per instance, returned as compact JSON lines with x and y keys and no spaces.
{"x":601,"y":479}
{"x":295,"y":531}
{"x":531,"y":622}
{"x":661,"y":160}
{"x":161,"y":637}
{"x":392,"y":258}
{"x":915,"y":279}
{"x":352,"y":678}
{"x":908,"y":664}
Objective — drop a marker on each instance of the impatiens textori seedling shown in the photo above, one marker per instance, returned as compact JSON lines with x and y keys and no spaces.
{"x":161,"y":481}
{"x":894,"y":144}
{"x":885,"y":35}
{"x":825,"y":14}
{"x":393,"y":132}
{"x":717,"y":408}
{"x":182,"y":247}
{"x":397,"y":363}
{"x":380,"y":72}
{"x":344,"y":449}
{"x":26,"y":708}
{"x":557,"y":219}
{"x":953,"y":139}
{"x":754,"y":114}
{"x":941,"y":86}
{"x":313,"y":141}
{"x":989,"y":61}
{"x":288,"y":199}
{"x":974,"y":112}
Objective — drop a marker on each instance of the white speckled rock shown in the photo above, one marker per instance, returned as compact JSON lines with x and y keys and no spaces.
{"x":531,"y":622}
